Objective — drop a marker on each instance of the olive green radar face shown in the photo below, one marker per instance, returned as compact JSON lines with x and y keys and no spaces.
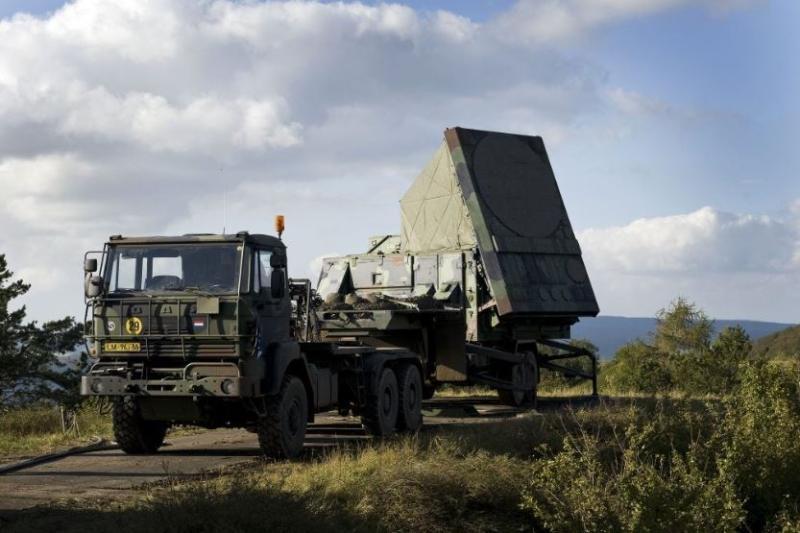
{"x":497,"y":192}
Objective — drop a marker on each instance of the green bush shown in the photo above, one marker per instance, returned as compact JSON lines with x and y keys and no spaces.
{"x":681,"y":355}
{"x":676,"y":466}
{"x":655,"y":470}
{"x":762,"y":441}
{"x":578,"y":491}
{"x":636,"y":368}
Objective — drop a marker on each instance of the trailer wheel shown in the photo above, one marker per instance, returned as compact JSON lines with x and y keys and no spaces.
{"x":133,"y":434}
{"x":380,"y":413}
{"x":409,"y":416}
{"x":282,"y":430}
{"x":520,"y":374}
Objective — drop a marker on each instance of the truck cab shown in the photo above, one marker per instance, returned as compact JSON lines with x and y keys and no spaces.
{"x":209,"y":330}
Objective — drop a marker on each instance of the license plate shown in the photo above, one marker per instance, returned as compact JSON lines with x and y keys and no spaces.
{"x":122,"y":346}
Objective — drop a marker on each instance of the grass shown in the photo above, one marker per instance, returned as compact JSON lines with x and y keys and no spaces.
{"x":462,"y":478}
{"x":451,"y":391}
{"x":629,"y":463}
{"x":38,"y":430}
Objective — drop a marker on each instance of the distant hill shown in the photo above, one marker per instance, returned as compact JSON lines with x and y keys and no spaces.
{"x":784,"y":342}
{"x":609,"y":333}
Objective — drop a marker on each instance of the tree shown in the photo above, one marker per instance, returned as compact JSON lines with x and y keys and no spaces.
{"x":682,"y":327}
{"x":637,"y":366}
{"x":730,"y":349}
{"x":682,"y":355}
{"x":29,"y":368}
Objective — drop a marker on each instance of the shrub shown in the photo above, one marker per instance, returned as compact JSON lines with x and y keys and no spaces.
{"x":637,"y":367}
{"x":762,"y":440}
{"x":578,"y":491}
{"x":681,"y":355}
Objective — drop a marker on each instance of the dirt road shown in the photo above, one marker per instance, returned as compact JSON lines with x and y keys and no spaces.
{"x":111,"y":473}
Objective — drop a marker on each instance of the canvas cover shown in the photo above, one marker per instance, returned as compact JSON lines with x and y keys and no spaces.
{"x":434,"y":216}
{"x":496,"y":192}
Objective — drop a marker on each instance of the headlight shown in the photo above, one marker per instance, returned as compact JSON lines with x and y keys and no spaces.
{"x":97,"y":387}
{"x":227,"y":386}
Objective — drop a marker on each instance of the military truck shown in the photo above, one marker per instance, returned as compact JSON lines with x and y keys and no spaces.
{"x":210,"y":330}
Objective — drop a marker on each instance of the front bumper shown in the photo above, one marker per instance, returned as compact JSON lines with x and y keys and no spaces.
{"x":209,"y":386}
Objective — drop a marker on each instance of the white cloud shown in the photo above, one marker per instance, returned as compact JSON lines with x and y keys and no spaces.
{"x":725,"y":262}
{"x":205,"y":123}
{"x":136,"y":117}
{"x":706,"y":240}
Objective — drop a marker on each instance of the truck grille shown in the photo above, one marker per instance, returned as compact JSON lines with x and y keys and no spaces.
{"x":169,"y":348}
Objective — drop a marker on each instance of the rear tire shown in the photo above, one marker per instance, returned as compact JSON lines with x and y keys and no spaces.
{"x":380,"y":413}
{"x":133,"y":434}
{"x":282,"y":431}
{"x":520,"y":374}
{"x":409,"y":416}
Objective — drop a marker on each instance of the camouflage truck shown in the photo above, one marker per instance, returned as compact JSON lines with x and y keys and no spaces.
{"x":209,"y":330}
{"x":485,"y":279}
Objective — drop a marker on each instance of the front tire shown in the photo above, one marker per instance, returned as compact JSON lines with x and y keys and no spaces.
{"x":409,"y":416}
{"x":282,"y":431}
{"x":133,"y":434}
{"x":380,"y":416}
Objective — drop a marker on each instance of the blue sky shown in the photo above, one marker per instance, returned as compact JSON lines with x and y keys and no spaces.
{"x":671,"y":125}
{"x":36,"y":7}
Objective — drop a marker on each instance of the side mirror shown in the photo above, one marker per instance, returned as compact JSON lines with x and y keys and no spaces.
{"x":93,"y":286}
{"x":90,"y":265}
{"x":277,"y":284}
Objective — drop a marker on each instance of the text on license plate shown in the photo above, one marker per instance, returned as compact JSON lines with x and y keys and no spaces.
{"x":122,"y":346}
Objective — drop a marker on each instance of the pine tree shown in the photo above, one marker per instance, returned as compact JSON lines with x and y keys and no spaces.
{"x":29,"y":368}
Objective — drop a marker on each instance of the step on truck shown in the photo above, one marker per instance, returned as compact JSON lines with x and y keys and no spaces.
{"x":482,"y":286}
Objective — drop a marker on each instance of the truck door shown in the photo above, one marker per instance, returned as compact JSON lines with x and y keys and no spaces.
{"x":271,"y":300}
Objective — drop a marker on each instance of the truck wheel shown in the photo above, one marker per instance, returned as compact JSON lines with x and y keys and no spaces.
{"x":520,"y":374}
{"x":133,"y":434}
{"x":380,"y":413}
{"x":409,"y":416}
{"x":282,"y":431}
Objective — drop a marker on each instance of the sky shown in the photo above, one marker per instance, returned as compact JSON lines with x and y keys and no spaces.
{"x":671,"y":126}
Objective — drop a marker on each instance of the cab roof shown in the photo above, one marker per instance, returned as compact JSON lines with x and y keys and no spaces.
{"x":243,"y":236}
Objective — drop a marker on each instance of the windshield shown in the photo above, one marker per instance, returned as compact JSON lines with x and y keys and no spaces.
{"x":174,"y":267}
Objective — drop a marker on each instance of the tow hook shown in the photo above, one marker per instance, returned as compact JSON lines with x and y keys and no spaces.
{"x":132,"y":388}
{"x":196,"y":389}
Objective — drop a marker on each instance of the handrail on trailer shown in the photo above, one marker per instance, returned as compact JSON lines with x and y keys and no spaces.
{"x":571,"y":352}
